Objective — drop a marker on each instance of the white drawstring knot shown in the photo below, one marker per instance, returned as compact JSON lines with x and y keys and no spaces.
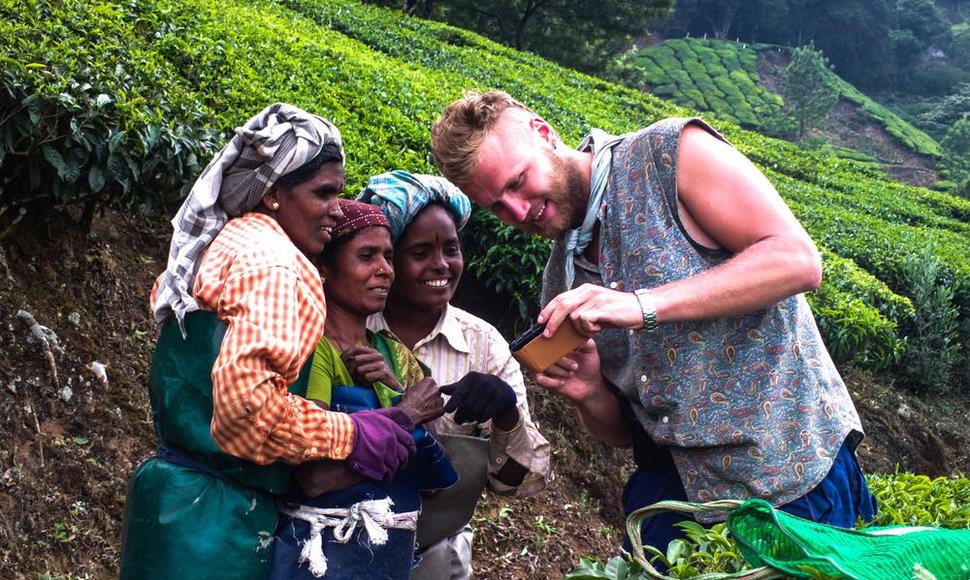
{"x":374,"y":515}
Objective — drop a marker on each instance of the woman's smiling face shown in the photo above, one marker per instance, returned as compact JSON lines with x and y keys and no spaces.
{"x":308,"y":211}
{"x":360,"y":275}
{"x":428,"y":261}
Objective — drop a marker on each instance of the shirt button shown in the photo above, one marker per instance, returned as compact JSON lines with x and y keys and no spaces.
{"x":612,"y":284}
{"x":665,"y":419}
{"x":643,"y":378}
{"x":498,"y":460}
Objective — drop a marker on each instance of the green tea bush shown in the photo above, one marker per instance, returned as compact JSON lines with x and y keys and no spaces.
{"x":85,"y":127}
{"x":500,"y":254}
{"x":730,"y":69}
{"x":700,"y":552}
{"x":904,"y":132}
{"x":116,"y":101}
{"x":935,"y":351}
{"x":710,"y":75}
{"x":858,"y":315}
{"x":908,"y":499}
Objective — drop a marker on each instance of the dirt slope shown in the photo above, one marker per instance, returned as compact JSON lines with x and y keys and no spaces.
{"x":70,"y":440}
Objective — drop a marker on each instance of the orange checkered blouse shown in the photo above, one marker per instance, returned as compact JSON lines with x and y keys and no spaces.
{"x":271,"y":298}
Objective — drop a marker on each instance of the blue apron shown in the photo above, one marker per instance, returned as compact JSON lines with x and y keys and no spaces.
{"x":358,"y":558}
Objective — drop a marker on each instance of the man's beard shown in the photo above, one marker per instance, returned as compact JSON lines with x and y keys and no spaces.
{"x":569,"y":191}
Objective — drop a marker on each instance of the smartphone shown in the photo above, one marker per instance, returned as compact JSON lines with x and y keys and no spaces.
{"x":537,"y":353}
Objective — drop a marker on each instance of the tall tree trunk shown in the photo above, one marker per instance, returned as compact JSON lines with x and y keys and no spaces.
{"x":530,"y":10}
{"x":721,"y":23}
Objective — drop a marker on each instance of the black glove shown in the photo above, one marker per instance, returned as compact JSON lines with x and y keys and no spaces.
{"x":478,"y":397}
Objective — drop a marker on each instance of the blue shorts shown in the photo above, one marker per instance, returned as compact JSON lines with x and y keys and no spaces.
{"x":839,"y":500}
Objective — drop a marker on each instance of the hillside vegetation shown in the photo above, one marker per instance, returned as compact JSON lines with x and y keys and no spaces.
{"x":722,"y":77}
{"x":119,"y":104}
{"x":110,"y":102}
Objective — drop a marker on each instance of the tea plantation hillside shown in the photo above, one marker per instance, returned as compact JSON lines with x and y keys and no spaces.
{"x":109,"y":109}
{"x":122,"y":102}
{"x":728,"y":79}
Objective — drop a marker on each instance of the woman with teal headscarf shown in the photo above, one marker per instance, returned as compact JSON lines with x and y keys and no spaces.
{"x":487,"y":430}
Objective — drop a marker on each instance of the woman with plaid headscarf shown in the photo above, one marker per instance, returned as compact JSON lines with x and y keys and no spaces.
{"x":242,"y":308}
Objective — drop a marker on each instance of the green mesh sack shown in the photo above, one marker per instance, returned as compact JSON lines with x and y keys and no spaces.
{"x":781,"y":545}
{"x":806,"y":549}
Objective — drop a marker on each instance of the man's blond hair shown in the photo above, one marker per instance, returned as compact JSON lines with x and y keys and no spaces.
{"x":458,"y":134}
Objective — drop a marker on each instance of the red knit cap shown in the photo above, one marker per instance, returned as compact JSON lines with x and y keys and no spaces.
{"x":357,"y":216}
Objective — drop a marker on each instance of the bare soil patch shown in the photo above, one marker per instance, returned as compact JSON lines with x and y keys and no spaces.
{"x":851,"y":127}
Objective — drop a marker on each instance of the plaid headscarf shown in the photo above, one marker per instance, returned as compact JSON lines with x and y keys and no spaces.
{"x":401,"y":195}
{"x":280,"y":139}
{"x":357,"y":216}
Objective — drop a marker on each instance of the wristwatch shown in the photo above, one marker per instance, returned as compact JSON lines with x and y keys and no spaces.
{"x":648,"y":308}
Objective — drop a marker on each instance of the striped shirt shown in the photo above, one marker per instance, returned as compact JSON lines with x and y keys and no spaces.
{"x":461,"y":343}
{"x":271,"y":298}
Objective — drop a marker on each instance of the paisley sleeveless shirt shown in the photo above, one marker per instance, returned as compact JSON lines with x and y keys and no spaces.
{"x":749,"y":406}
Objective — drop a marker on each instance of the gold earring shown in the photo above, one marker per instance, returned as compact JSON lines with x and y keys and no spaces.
{"x":274,"y":206}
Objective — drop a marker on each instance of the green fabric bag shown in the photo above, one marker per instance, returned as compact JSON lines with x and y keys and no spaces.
{"x":184,"y":524}
{"x":181,"y":522}
{"x":805,"y":549}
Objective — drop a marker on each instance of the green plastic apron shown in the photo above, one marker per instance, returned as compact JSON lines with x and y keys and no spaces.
{"x":207,"y":514}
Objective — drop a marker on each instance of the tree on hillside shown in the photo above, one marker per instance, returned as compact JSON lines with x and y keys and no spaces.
{"x":923,"y":18}
{"x":582,"y":34}
{"x":958,"y":47}
{"x":750,"y":20}
{"x":956,"y":150}
{"x":808,"y":90}
{"x":422,"y":8}
{"x":586,"y":34}
{"x":920,"y":25}
{"x":853,"y":33}
{"x":713,"y":17}
{"x":938,"y":120}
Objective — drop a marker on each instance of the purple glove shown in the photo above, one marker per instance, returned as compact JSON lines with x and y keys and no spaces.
{"x":381,"y":444}
{"x":478,"y":397}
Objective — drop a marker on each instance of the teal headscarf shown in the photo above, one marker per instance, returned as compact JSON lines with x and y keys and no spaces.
{"x":402,"y":195}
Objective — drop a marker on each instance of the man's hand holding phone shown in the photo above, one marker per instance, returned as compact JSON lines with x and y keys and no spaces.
{"x":591,"y":308}
{"x":575,"y":376}
{"x":537,"y":352}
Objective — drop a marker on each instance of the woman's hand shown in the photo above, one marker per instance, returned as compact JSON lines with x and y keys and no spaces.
{"x":366,"y":366}
{"x":422,"y":402}
{"x":478,"y":397}
{"x":318,"y":477}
